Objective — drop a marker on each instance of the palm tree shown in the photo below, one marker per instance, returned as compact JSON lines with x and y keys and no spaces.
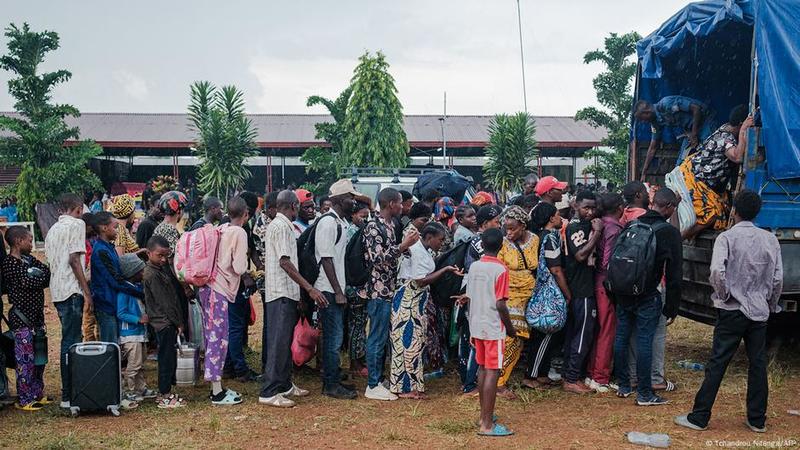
{"x":327,"y":163}
{"x":226,"y":138}
{"x":511,"y":151}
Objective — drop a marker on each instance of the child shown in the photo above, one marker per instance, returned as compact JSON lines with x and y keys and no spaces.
{"x":89,"y":326}
{"x":132,"y":331}
{"x":24,"y":279}
{"x":467,"y":224}
{"x":107,"y":281}
{"x":164,"y":314}
{"x":489,"y":324}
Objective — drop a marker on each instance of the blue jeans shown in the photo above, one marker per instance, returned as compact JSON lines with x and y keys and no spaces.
{"x":332,"y":318}
{"x":238,"y":317}
{"x":467,"y":366}
{"x":70,"y":313}
{"x":108,"y":326}
{"x":642,"y":316}
{"x":380,"y":314}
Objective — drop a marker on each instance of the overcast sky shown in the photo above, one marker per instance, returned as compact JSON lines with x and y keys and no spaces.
{"x":142,"y":56}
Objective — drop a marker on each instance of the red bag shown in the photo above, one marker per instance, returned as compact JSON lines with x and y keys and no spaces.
{"x":252,"y":319}
{"x":304,"y":344}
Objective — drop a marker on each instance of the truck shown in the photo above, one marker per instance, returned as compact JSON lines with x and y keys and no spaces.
{"x":726,"y":53}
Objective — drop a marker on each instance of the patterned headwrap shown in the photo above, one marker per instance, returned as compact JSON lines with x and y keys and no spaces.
{"x":482,"y":198}
{"x":516,"y":213}
{"x":444,"y":208}
{"x":171,"y":202}
{"x":122,"y":206}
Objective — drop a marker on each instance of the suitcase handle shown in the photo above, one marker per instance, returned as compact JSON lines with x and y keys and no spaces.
{"x":91,"y":348}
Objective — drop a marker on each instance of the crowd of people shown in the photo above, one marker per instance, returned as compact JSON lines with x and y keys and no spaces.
{"x":542,"y":259}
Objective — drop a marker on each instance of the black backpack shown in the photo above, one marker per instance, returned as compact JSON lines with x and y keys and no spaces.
{"x":449,"y":284}
{"x":633,"y":259}
{"x":306,"y":251}
{"x":358,"y":268}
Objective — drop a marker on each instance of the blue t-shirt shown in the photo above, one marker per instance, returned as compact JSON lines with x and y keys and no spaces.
{"x":675,"y":111}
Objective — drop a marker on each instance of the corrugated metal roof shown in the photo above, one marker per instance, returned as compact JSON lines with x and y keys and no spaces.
{"x":297,"y":130}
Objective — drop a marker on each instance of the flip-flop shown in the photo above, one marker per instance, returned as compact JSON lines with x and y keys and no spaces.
{"x":497,"y":431}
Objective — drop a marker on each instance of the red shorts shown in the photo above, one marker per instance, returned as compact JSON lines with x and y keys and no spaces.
{"x":489,"y":353}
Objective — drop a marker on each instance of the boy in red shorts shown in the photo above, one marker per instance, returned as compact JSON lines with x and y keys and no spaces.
{"x":489,"y":324}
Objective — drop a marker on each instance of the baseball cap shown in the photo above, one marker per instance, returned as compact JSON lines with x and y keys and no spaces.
{"x":547,"y":184}
{"x":342,"y":187}
{"x":303,"y":195}
{"x":487,"y":213}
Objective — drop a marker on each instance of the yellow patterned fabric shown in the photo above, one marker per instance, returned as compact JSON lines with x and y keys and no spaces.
{"x":125,"y":240}
{"x":521,"y":280}
{"x":122,"y":206}
{"x":513,"y":351}
{"x":407,"y":337}
{"x":708,"y":204}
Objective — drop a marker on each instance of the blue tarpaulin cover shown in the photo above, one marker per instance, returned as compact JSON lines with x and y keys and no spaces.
{"x":704,"y":52}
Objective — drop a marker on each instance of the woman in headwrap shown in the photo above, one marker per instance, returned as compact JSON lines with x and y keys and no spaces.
{"x":444,"y":212}
{"x":482,"y":198}
{"x":171,"y":205}
{"x":122,"y":207}
{"x":520,"y":253}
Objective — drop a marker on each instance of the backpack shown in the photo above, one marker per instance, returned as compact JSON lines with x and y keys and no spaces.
{"x":196,"y":255}
{"x":449,"y":284}
{"x":307,"y":250}
{"x":547,"y":309}
{"x":633,"y":259}
{"x":358,"y":268}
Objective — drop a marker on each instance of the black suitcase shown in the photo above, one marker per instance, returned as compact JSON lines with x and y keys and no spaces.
{"x":95,"y":372}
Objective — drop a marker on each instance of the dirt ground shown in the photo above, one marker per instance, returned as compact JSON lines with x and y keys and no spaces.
{"x":541,"y":419}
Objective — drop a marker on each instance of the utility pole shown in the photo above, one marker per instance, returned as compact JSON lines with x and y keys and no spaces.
{"x":522,"y":58}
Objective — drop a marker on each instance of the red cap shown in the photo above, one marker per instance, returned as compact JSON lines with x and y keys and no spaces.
{"x":547,"y":184}
{"x":303,"y":195}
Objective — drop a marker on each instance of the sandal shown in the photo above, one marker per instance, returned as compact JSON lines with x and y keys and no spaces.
{"x":45,"y":400}
{"x":128,"y":404}
{"x":35,"y":406}
{"x":497,"y":431}
{"x":170,"y":402}
{"x":668,"y":386}
{"x":226,"y":398}
{"x":507,"y":394}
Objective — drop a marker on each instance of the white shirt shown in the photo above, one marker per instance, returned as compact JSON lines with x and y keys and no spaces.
{"x":66,"y":237}
{"x":326,"y":246}
{"x":279,"y":241}
{"x":418,"y":266}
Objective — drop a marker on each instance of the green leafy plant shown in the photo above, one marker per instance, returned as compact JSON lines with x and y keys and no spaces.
{"x":613,"y":88}
{"x":328,"y":163}
{"x":373,"y":131}
{"x":510,"y":152}
{"x":49,"y":153}
{"x":225,"y":138}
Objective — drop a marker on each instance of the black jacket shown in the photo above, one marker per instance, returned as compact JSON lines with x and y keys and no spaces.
{"x":162,"y":301}
{"x":669,"y":263}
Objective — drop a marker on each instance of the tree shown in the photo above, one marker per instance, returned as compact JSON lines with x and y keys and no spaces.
{"x":374,"y":135}
{"x":614,"y":94}
{"x":328,"y":163}
{"x":37,"y":138}
{"x":226,"y":137}
{"x":510,"y":151}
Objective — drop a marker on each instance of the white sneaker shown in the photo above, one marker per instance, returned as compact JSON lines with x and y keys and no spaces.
{"x":553,"y":375}
{"x":64,"y":405}
{"x":379,"y":392}
{"x":278,"y":401}
{"x":595,"y":386}
{"x":295,"y":391}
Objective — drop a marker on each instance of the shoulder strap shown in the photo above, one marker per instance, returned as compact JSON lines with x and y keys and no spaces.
{"x":338,"y":227}
{"x":659,"y":226}
{"x":522,"y":254}
{"x":23,"y":318}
